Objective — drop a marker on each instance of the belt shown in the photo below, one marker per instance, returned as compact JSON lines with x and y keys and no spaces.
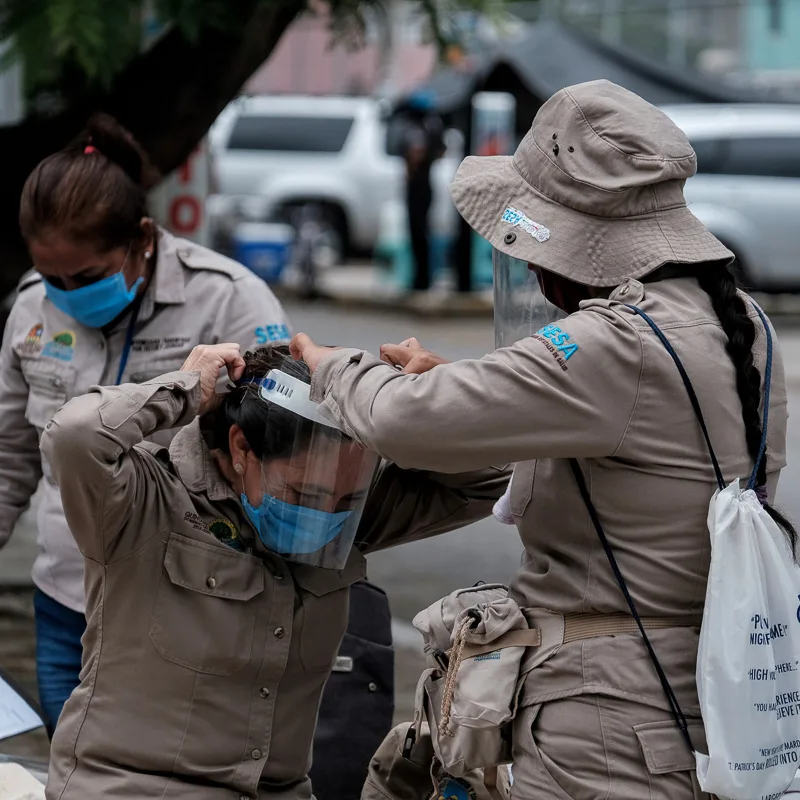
{"x":589,"y":626}
{"x":583,"y":626}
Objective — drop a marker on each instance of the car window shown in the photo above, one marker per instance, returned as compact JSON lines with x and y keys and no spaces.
{"x":709,"y":154}
{"x":290,"y":134}
{"x":772,"y":156}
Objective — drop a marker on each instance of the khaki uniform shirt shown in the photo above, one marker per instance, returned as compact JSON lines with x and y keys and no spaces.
{"x":600,"y":388}
{"x":203,"y":665}
{"x":196,"y":297}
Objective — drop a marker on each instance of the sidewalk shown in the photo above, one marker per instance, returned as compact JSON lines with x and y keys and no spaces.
{"x":371,"y":287}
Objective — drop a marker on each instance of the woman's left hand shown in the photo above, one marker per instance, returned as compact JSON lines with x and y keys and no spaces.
{"x":411,"y":357}
{"x":209,"y":360}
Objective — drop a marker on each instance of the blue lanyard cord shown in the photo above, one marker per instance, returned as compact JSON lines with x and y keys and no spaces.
{"x":126,"y":350}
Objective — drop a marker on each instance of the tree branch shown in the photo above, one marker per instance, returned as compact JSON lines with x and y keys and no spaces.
{"x":168,"y":97}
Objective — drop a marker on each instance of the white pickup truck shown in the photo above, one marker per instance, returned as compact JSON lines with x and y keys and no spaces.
{"x":273,"y":153}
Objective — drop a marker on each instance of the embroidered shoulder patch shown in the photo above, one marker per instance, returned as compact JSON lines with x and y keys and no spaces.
{"x":520,"y":220}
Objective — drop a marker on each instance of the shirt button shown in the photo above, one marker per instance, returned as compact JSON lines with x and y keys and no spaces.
{"x":211,"y":582}
{"x":373,"y":687}
{"x":278,"y":576}
{"x":279,"y":632}
{"x":255,"y":755}
{"x":264,"y":692}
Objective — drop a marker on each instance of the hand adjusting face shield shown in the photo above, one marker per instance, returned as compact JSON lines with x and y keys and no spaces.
{"x":520,"y":307}
{"x":315,"y":479}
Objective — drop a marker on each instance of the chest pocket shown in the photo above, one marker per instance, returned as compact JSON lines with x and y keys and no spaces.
{"x":50,"y":385}
{"x":206,"y":606}
{"x":324,"y":605}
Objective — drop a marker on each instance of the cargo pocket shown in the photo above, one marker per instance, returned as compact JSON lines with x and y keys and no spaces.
{"x":49,"y":387}
{"x":324,"y":603}
{"x":206,"y":606}
{"x":522,"y":486}
{"x":666,"y":754}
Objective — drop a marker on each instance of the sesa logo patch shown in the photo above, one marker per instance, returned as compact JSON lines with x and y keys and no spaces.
{"x":272,"y":333}
{"x":518,"y":219}
{"x":61,"y":346}
{"x":558,"y":343}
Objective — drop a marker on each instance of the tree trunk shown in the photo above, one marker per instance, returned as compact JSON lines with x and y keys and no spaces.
{"x":168,"y":97}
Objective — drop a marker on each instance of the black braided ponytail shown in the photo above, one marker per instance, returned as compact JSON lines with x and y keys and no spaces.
{"x":718,"y":281}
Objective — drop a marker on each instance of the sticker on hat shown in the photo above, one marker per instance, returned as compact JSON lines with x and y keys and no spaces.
{"x":520,"y":220}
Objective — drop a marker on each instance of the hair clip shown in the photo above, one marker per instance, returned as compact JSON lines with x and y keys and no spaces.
{"x":89,"y":149}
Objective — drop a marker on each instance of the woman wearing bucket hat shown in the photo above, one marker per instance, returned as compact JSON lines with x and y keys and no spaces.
{"x":588,"y":221}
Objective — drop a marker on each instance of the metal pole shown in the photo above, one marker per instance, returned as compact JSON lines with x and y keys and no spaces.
{"x":677,"y":28}
{"x":611,"y":22}
{"x":550,"y":9}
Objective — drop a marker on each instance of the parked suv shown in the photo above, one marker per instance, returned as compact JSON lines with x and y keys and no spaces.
{"x":747,"y":187}
{"x":274,"y":153}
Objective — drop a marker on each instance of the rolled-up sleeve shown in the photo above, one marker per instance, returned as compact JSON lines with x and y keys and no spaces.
{"x":89,"y":444}
{"x":410,"y":505}
{"x":569,"y":391}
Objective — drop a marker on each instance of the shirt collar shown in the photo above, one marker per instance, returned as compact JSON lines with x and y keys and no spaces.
{"x":168,"y":286}
{"x":196,"y":467}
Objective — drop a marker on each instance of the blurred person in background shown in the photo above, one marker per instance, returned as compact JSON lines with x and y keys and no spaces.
{"x":113,"y":299}
{"x":423,"y":146}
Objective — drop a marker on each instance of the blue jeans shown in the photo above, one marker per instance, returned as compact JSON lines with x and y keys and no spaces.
{"x":58,"y":654}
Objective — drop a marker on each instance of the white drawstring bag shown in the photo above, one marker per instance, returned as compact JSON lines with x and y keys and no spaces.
{"x":748,"y":666}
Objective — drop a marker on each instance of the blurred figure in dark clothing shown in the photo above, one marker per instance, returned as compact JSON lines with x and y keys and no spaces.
{"x":424,"y":145}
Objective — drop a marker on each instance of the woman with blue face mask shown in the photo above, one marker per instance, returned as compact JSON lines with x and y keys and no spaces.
{"x":218,"y":573}
{"x":112,"y":299}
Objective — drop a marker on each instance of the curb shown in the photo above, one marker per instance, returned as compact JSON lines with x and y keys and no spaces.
{"x":448,"y":307}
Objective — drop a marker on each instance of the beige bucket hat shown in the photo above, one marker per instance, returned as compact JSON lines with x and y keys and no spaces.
{"x":594,"y":192}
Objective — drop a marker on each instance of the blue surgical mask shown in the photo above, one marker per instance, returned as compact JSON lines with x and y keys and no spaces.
{"x":293,"y":530}
{"x":98,"y":303}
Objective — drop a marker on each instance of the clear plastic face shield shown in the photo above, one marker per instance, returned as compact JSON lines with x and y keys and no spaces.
{"x":520,"y":307}
{"x":315,"y":479}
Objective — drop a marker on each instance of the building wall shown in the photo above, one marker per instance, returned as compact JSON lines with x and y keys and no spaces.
{"x":307,"y":61}
{"x":773,"y":34}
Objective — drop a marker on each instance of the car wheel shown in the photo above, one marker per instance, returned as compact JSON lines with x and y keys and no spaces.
{"x":331,"y":238}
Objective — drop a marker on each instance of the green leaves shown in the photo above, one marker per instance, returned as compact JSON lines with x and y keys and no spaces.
{"x":77,"y":45}
{"x":69,"y":47}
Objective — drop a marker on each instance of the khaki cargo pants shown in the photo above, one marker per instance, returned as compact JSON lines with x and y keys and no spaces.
{"x":594,"y":747}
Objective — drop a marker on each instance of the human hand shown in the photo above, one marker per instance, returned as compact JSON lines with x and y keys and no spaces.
{"x":302,"y":347}
{"x":208,"y":360}
{"x":411,"y":357}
